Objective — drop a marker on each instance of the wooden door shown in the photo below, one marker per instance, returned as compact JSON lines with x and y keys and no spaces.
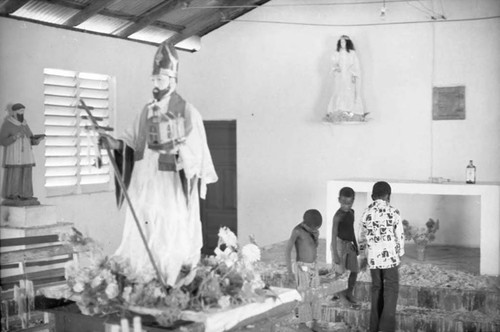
{"x":220,"y":206}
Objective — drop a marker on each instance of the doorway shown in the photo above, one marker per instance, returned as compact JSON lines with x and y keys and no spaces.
{"x":220,"y":206}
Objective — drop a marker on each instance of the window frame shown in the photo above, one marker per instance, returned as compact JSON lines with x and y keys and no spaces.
{"x":65,"y":97}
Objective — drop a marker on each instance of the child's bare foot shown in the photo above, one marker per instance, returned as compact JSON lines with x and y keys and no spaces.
{"x":304,"y":328}
{"x":351,"y":298}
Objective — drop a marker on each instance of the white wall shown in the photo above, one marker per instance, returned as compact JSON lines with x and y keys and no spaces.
{"x":274,"y":80}
{"x":29,"y":48}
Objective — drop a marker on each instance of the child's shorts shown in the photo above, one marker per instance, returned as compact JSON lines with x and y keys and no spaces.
{"x":348,"y":257}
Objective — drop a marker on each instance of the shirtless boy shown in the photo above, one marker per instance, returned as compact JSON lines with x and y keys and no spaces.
{"x":304,"y":271}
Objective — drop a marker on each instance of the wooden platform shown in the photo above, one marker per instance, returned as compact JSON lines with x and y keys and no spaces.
{"x":447,"y":295}
{"x":69,"y":318}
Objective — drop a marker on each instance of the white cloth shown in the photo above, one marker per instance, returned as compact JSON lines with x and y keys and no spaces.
{"x":171,"y":225}
{"x":220,"y":320}
{"x":346,"y":95}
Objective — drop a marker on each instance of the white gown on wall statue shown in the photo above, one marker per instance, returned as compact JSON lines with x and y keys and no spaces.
{"x":346,"y":91}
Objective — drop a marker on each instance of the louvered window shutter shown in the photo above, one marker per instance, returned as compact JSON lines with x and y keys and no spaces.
{"x":71,"y":146}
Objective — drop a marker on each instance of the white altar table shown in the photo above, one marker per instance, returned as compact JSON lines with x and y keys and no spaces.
{"x":488,"y":193}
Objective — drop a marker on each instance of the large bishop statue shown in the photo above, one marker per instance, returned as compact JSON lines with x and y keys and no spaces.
{"x":166,"y":165}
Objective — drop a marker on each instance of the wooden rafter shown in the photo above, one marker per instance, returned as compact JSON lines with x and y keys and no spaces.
{"x":209,"y":22}
{"x":206,"y":19}
{"x":10,"y":6}
{"x":150,"y":17}
{"x":92,"y":9}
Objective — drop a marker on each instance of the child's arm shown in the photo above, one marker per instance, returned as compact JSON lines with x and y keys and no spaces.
{"x":399,"y":235}
{"x":333,"y":245}
{"x":288,"y":252}
{"x":363,"y":244}
{"x":356,"y":246}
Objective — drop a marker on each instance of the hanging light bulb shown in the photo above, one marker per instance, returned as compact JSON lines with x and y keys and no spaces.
{"x":383,"y":10}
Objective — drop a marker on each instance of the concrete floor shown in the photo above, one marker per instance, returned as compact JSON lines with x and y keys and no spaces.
{"x":446,"y":257}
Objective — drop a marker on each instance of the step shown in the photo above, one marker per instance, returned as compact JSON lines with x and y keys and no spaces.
{"x":414,"y":319}
{"x":35,"y":265}
{"x":9,"y":232}
{"x":328,"y":285}
{"x":485,"y":301}
{"x":27,"y":216}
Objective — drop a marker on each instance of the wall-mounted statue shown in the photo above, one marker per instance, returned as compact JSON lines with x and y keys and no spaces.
{"x":345,"y":104}
{"x":18,"y":158}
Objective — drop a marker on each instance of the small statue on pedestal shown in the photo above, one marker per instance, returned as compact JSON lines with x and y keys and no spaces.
{"x":18,"y":159}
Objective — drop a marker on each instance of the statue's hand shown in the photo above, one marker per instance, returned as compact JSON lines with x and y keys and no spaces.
{"x":112,"y":142}
{"x":36,"y":139}
{"x":168,"y":146}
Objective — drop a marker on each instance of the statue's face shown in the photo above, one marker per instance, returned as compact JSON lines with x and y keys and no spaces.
{"x":19,"y":114}
{"x":161,"y":81}
{"x":164,"y":85}
{"x":342,"y":42}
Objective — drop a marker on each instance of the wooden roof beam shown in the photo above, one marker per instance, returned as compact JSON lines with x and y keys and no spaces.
{"x":149,"y":17}
{"x":10,"y":6}
{"x":92,"y":9}
{"x":204,"y":23}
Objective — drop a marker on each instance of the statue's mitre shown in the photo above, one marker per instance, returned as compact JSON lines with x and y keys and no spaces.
{"x":166,"y":60}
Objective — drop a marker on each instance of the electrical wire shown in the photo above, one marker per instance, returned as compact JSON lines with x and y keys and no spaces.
{"x":298,"y":5}
{"x":365,"y":24}
{"x":431,"y":12}
{"x":442,"y":9}
{"x":425,"y":11}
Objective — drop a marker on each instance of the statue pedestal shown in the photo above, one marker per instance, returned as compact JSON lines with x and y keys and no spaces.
{"x":19,"y":234}
{"x":27,"y":216}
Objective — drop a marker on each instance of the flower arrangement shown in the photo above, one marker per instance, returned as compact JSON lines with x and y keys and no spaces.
{"x":109,"y":285}
{"x":421,"y":235}
{"x":345,"y":116}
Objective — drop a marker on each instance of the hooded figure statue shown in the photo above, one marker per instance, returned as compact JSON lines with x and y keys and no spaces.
{"x":18,"y":161}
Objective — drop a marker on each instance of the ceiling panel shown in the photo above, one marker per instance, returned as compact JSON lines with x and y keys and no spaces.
{"x":148,"y":21}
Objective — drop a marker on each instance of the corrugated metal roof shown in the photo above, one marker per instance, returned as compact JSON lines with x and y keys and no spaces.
{"x":152,"y":21}
{"x":103,"y":24}
{"x":181,"y":16}
{"x":152,"y":34}
{"x":45,"y":12}
{"x":134,"y":7}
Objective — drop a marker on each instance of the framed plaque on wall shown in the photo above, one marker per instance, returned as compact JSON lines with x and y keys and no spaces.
{"x":448,"y":103}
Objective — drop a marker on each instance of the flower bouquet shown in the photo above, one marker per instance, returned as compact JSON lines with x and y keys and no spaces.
{"x":221,"y":281}
{"x":421,"y":235}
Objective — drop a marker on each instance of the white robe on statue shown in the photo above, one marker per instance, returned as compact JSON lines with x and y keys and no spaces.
{"x":346,"y":95}
{"x":171,"y":225}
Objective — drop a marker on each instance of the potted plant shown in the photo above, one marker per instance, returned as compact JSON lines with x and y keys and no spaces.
{"x":421,"y":235}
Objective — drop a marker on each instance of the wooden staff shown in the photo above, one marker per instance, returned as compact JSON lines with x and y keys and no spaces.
{"x":101,"y":130}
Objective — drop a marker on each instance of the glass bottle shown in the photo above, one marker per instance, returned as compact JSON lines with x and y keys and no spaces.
{"x":470,"y":173}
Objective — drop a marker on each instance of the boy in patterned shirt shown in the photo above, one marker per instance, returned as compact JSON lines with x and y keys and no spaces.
{"x":381,"y":245}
